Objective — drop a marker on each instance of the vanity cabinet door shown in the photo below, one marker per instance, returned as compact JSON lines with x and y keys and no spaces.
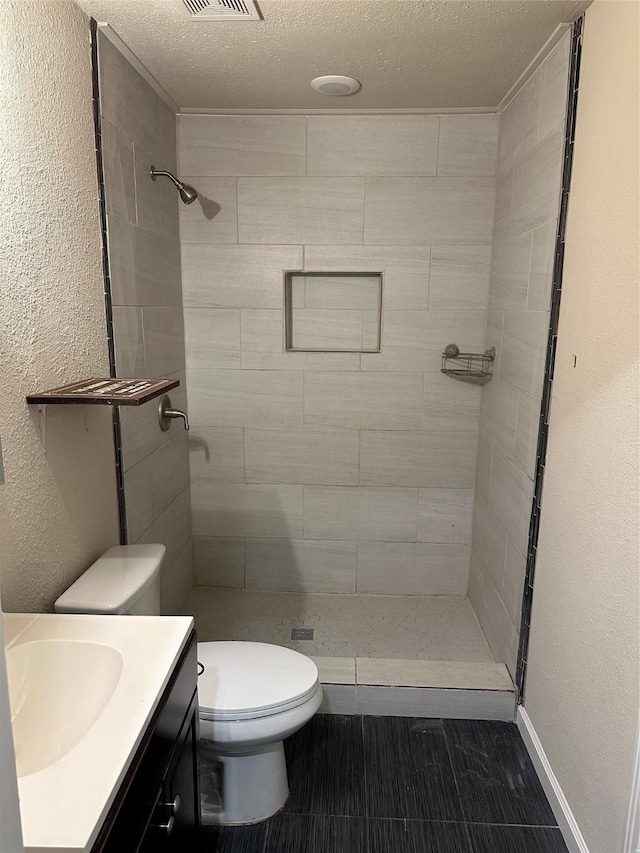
{"x":181,"y":790}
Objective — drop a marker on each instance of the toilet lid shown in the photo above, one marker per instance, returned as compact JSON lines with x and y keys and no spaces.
{"x":252,"y":679}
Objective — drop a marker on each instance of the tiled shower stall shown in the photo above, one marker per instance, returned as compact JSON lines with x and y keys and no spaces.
{"x":363,"y":494}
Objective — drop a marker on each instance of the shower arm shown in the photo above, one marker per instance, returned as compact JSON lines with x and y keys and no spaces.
{"x":159,"y":173}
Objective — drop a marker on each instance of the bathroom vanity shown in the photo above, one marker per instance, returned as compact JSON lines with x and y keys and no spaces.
{"x":104,"y":712}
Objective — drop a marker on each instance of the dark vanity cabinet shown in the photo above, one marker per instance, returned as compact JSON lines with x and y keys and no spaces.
{"x":157,"y":808}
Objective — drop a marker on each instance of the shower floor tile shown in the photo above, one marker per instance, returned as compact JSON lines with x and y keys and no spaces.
{"x":346,"y":626}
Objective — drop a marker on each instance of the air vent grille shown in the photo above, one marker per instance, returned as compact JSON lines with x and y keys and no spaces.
{"x":223,"y":10}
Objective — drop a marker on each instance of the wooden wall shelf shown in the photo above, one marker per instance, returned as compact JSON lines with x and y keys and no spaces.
{"x":106,"y":392}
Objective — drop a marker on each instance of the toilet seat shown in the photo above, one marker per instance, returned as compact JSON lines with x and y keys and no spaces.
{"x":244,"y":680}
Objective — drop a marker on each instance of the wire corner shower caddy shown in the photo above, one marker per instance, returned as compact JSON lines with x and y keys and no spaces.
{"x":468,"y":365}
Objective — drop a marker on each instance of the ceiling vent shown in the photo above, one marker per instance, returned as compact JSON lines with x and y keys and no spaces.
{"x":223,"y":10}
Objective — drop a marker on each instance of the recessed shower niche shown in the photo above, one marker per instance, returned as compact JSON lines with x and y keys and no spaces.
{"x":332,"y":311}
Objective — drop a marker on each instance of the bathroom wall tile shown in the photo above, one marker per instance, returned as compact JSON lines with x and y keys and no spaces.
{"x":335,"y":670}
{"x":436,"y":703}
{"x":410,"y":568}
{"x":129,"y":341}
{"x":181,"y":508}
{"x":433,"y":459}
{"x":504,"y":194}
{"x":468,"y":145}
{"x":169,"y":466}
{"x":460,"y":277}
{"x":536,"y":184}
{"x":219,"y":561}
{"x":489,"y":540}
{"x":126,"y":99}
{"x":322,"y":328}
{"x":371,"y":330}
{"x":141,"y":433}
{"x":555,"y":85}
{"x":372,"y":145}
{"x":242,"y":145}
{"x":166,"y":137}
{"x":414,"y":340}
{"x":510,"y":498}
{"x":483,"y":468}
{"x":138,"y":497}
{"x":326,"y":291}
{"x":237,"y":509}
{"x":428,"y":210}
{"x":163,"y":340}
{"x":212,"y":337}
{"x":254,"y":398}
{"x":160,"y":532}
{"x":499,"y":415}
{"x":510,"y":273}
{"x":338,"y":699}
{"x":213,"y":216}
{"x":493,"y":616}
{"x":406,"y":269}
{"x":262,"y":336}
{"x":515,"y":567}
{"x":362,"y":400}
{"x":117,"y":163}
{"x":519,"y":123}
{"x":156,"y":201}
{"x":337,"y":512}
{"x":526,"y":447}
{"x":541,"y":273}
{"x":216,"y":453}
{"x":302,"y":456}
{"x":303,"y":565}
{"x":177,"y":582}
{"x":449,"y":404}
{"x":144,"y":267}
{"x":236,"y":276}
{"x":493,"y":336}
{"x":300,"y":210}
{"x":444,"y":515}
{"x":446,"y":674}
{"x":524,"y":342}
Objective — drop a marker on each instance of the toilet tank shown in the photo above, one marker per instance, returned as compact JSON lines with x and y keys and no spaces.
{"x":125,"y":580}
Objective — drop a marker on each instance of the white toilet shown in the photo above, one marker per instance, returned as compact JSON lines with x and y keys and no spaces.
{"x":251,"y":695}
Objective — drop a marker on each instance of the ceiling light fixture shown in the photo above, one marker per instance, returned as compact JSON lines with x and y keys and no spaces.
{"x":335,"y":84}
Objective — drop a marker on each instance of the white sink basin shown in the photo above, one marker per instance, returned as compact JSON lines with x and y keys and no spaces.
{"x":58,"y":689}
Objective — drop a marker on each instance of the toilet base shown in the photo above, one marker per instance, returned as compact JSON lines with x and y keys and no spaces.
{"x":253,"y":784}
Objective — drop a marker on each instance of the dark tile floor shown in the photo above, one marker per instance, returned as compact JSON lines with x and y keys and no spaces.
{"x":403,"y":785}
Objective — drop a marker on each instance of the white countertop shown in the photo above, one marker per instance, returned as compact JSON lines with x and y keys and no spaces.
{"x":63,"y":806}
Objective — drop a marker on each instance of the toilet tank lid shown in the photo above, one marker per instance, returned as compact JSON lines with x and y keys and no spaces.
{"x":114,"y":581}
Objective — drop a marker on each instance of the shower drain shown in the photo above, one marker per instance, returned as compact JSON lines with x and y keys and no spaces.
{"x":302,"y":633}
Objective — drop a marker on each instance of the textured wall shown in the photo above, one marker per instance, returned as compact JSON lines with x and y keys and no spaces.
{"x":582,"y":677}
{"x":138,"y":130}
{"x":527,"y":203}
{"x":58,"y":507}
{"x":334,"y":472}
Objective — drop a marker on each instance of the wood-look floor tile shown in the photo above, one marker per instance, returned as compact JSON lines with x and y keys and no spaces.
{"x":524,"y":839}
{"x":325,"y":761}
{"x":234,"y":839}
{"x":316,"y":834}
{"x":495,"y":776}
{"x":416,"y":836}
{"x":408,"y":772}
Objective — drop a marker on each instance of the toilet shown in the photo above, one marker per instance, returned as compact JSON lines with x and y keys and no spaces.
{"x":251,"y":696}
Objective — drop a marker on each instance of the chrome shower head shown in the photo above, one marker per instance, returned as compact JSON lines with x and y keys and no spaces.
{"x":187,"y":193}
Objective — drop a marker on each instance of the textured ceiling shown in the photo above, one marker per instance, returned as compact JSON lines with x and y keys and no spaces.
{"x":408,"y":54}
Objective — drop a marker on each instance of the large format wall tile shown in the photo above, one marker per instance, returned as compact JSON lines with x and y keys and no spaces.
{"x":300,"y":210}
{"x":236,"y":276}
{"x":460,"y":277}
{"x":343,"y":512}
{"x":212,"y":337}
{"x":510,"y":273}
{"x":445,"y":515}
{"x":536,"y":184}
{"x":363,"y":400}
{"x":405,"y":269}
{"x":219,"y":561}
{"x":242,"y":145}
{"x":524,"y":342}
{"x":468,"y":145}
{"x":373,"y":145}
{"x":217,"y":453}
{"x":255,"y":398}
{"x":428,"y":210}
{"x":213,"y":217}
{"x":519,"y":124}
{"x":499,"y":415}
{"x":510,"y":498}
{"x":555,"y":85}
{"x":409,"y":568}
{"x":489,"y":540}
{"x":117,"y":164}
{"x":239,"y":509}
{"x":436,"y":459}
{"x":163,"y":340}
{"x":304,"y":565}
{"x":302,"y":456}
{"x":156,"y":201}
{"x":128,"y":340}
{"x":450,"y":404}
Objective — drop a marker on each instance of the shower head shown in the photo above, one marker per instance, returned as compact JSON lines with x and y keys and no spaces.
{"x":187,"y":193}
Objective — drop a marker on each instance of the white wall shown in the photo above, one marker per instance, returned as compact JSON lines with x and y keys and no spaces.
{"x":583,"y":668}
{"x":334,"y":471}
{"x":58,"y":509}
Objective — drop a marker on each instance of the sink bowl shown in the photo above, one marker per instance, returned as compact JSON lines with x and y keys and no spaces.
{"x":57,"y":690}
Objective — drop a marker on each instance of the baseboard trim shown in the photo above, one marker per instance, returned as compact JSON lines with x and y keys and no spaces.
{"x":557,"y":800}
